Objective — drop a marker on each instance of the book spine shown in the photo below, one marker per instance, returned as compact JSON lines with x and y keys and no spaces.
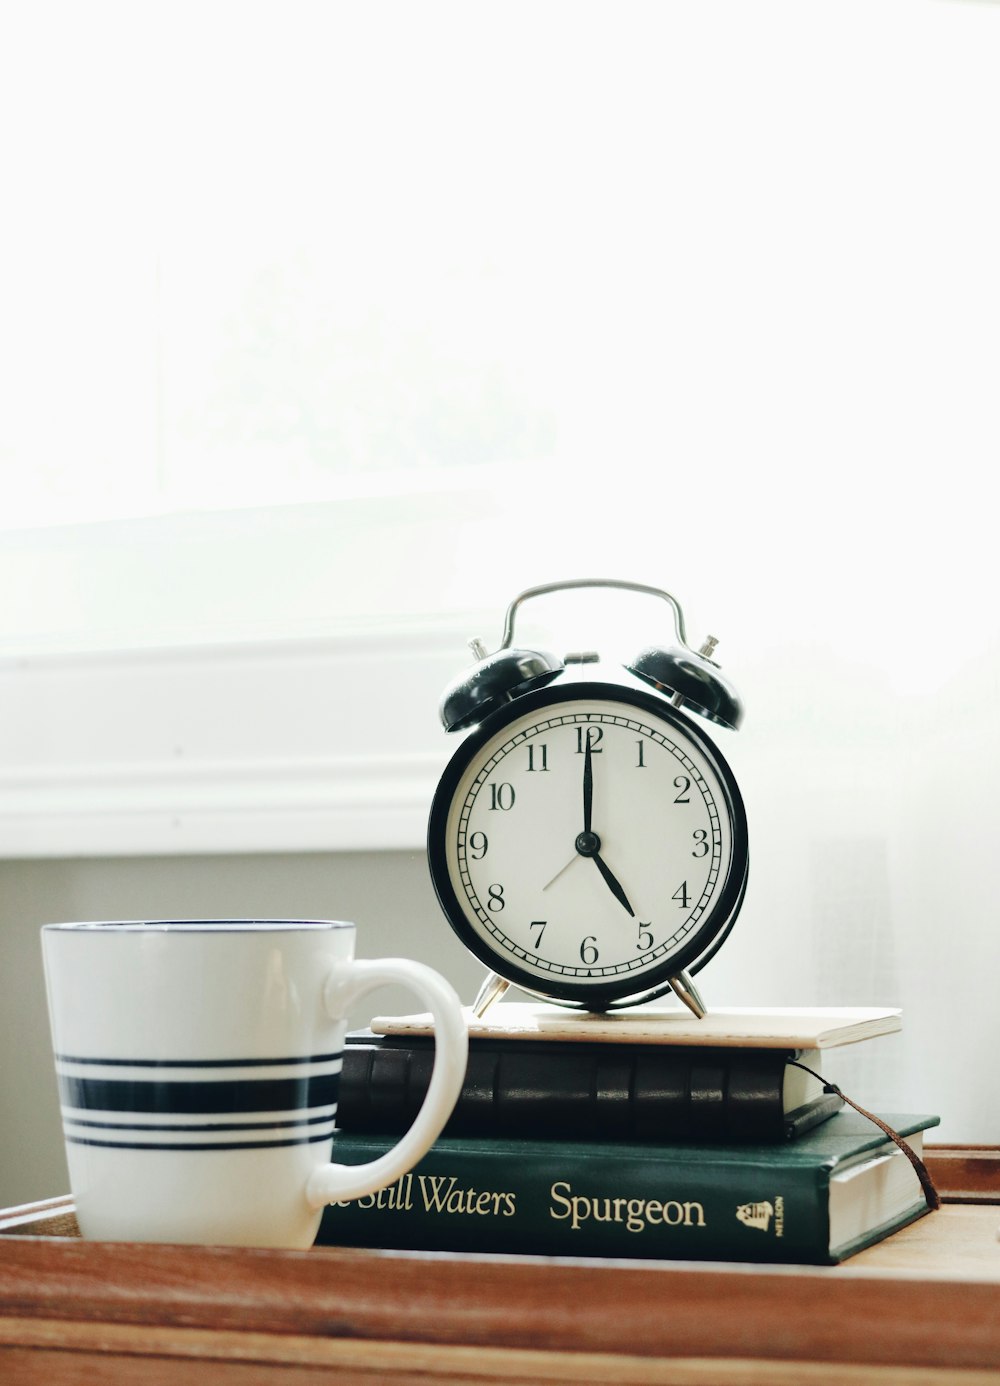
{"x":565,"y":1199}
{"x":617,"y":1092}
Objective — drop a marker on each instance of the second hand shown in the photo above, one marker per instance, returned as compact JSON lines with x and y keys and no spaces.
{"x":561,"y":870}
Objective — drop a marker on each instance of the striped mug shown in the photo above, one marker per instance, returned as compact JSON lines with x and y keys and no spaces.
{"x":198,"y":1064}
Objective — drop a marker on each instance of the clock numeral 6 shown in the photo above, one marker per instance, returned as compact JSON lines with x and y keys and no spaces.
{"x":588,"y":950}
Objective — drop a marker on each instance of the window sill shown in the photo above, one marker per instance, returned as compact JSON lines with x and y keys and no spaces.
{"x":313,"y":745}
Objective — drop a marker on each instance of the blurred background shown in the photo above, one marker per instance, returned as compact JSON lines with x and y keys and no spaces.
{"x":328,"y":328}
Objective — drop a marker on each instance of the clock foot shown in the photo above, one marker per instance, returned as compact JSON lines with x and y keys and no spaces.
{"x":684,"y":988}
{"x":491,"y":990}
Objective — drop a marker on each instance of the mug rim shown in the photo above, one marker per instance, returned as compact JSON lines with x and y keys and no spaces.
{"x":194,"y":926}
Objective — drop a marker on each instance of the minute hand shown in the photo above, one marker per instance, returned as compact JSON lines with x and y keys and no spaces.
{"x":588,"y":785}
{"x":588,"y":843}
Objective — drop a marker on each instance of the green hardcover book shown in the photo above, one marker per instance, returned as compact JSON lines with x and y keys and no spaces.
{"x":816,"y":1200}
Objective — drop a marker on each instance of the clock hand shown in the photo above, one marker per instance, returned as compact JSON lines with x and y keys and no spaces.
{"x":613,"y":883}
{"x":589,"y":845}
{"x":602,"y":866}
{"x":588,"y":809}
{"x":559,"y":873}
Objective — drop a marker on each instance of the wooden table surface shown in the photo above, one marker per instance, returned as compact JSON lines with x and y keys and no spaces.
{"x":921,"y":1307}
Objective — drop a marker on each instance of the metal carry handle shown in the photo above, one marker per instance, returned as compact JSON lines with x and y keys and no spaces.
{"x":546,"y":588}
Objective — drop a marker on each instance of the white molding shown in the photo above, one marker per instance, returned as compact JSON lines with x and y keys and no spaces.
{"x":322,"y":745}
{"x":330,"y":804}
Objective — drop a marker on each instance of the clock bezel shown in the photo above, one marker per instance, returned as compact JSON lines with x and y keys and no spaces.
{"x":711,"y":931}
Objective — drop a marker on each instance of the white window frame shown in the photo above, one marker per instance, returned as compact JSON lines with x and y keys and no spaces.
{"x":173,"y":731}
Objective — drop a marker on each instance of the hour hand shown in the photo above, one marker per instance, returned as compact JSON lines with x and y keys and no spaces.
{"x":589,"y":845}
{"x":613,"y":882}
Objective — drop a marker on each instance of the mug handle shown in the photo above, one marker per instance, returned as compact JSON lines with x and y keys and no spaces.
{"x":329,"y":1183}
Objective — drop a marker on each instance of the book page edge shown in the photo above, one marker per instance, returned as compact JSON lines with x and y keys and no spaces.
{"x":743,"y":1027}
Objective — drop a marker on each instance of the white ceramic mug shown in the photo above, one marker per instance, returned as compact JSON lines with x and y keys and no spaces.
{"x":198,"y":1063}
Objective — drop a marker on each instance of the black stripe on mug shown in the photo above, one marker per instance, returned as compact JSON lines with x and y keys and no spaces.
{"x":197,"y":1126}
{"x":199,"y":1063}
{"x":202,"y":1146}
{"x":199,"y":1097}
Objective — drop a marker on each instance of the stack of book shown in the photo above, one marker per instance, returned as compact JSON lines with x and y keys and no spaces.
{"x":644,"y":1134}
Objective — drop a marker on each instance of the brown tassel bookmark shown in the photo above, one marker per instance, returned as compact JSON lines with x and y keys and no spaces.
{"x":922,"y":1172}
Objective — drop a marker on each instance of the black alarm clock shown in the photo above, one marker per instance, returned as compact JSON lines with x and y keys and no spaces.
{"x":587,"y":840}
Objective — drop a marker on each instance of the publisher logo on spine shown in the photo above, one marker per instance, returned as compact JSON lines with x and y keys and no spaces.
{"x":758,"y":1215}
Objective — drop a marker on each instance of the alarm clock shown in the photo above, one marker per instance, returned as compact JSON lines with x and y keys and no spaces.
{"x":587,"y":840}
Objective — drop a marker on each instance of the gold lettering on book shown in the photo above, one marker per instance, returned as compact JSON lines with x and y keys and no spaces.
{"x":636,"y":1214}
{"x":397,"y":1197}
{"x":439,"y":1193}
{"x":442,"y":1193}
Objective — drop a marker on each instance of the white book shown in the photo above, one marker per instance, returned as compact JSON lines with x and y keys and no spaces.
{"x":751,"y":1027}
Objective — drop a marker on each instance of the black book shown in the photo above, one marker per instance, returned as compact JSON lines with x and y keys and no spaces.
{"x":571,"y":1090}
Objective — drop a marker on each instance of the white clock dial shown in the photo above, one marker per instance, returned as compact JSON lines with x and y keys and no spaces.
{"x":588,"y":843}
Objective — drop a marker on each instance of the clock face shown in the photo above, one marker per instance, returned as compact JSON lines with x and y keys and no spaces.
{"x":587,"y":842}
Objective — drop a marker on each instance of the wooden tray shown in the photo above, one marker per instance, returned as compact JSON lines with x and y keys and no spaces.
{"x":921,"y":1307}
